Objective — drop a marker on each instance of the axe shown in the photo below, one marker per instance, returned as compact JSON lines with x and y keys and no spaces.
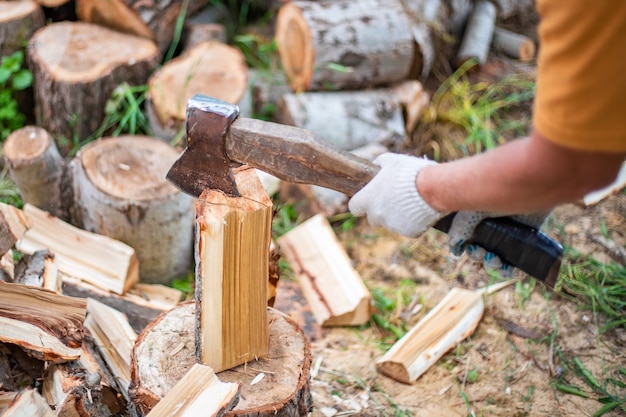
{"x":218,"y":140}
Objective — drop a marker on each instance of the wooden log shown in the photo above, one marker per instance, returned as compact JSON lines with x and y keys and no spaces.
{"x":28,"y":403}
{"x":210,"y":68}
{"x":114,"y":339}
{"x":325,"y":45}
{"x":77,"y":66}
{"x":100,"y":260}
{"x":37,"y":168}
{"x":122,"y":193}
{"x":39,"y":269}
{"x":510,"y":8}
{"x":13,"y":224}
{"x":18,"y":21}
{"x":233,"y":237}
{"x":199,"y":392}
{"x":346,"y":119}
{"x":452,"y":320}
{"x":154,"y":20}
{"x":478,"y":34}
{"x":48,"y":326}
{"x":513,"y":44}
{"x":7,"y":267}
{"x":331,"y":285}
{"x":164,"y":352}
{"x":203,"y":27}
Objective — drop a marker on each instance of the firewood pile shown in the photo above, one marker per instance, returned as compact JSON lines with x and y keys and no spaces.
{"x":91,"y":325}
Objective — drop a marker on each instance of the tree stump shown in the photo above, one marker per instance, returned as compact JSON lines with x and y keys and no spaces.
{"x":164,"y":352}
{"x":18,"y":21}
{"x":121,"y":192}
{"x":344,"y":44}
{"x":37,"y":169}
{"x":210,"y":68}
{"x":76,"y":67}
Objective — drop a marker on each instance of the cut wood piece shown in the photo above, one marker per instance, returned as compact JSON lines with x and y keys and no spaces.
{"x":478,"y":34}
{"x":453,"y":319}
{"x":203,"y":27}
{"x":210,"y":68}
{"x":114,"y":339}
{"x":13,"y":224}
{"x":154,"y":20}
{"x":38,"y":270}
{"x":6,"y":398}
{"x":233,"y":237}
{"x":595,"y":197}
{"x":7,"y":267}
{"x":37,"y":168}
{"x":28,"y":403}
{"x":333,"y":288}
{"x":48,"y":326}
{"x":18,"y":21}
{"x":414,"y":100}
{"x":199,"y":392}
{"x":513,"y":44}
{"x":77,"y":66}
{"x":122,"y":193}
{"x":346,"y":119}
{"x":99,"y":260}
{"x":164,"y":353}
{"x":339,"y":44}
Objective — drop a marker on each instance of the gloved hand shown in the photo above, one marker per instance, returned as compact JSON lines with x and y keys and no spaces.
{"x":463,"y":226}
{"x":391,"y":199}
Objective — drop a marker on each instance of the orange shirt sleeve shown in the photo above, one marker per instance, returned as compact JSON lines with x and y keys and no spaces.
{"x":580,"y":100}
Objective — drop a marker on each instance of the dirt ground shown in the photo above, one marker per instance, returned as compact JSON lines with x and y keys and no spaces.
{"x":509,"y":356}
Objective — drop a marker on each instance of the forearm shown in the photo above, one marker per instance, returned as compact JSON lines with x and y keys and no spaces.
{"x":525,"y":175}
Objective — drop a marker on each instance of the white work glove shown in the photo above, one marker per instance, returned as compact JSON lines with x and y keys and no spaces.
{"x":463,"y":226}
{"x":391,"y":199}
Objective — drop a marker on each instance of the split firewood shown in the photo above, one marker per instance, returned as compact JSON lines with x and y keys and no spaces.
{"x":277,"y":384}
{"x":77,"y":66}
{"x":71,"y":391}
{"x":414,"y":100}
{"x":18,"y":21}
{"x":154,"y":20}
{"x":233,"y":243}
{"x":114,"y":339}
{"x":100,"y":260}
{"x":6,"y":398}
{"x":327,"y":45}
{"x":28,"y":403}
{"x":199,"y":392}
{"x":331,"y":285}
{"x":478,"y":34}
{"x":7,"y":266}
{"x":121,"y":192}
{"x":37,"y":168}
{"x":141,"y":304}
{"x":513,"y":44}
{"x":13,"y":224}
{"x":48,"y":326}
{"x":210,"y":68}
{"x":40,"y":270}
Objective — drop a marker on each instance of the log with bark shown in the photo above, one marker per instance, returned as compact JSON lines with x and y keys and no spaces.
{"x":276,"y":385}
{"x":233,"y":237}
{"x":513,"y":44}
{"x":13,"y":224}
{"x":478,"y":34}
{"x":39,"y":269}
{"x":76,"y":67}
{"x":37,"y":168}
{"x":18,"y":21}
{"x":339,"y":44}
{"x":210,"y":68}
{"x":48,"y":326}
{"x":121,"y":192}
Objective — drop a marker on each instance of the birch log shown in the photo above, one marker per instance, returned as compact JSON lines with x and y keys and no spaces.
{"x":325,"y":45}
{"x":37,"y":168}
{"x":513,"y":44}
{"x":18,"y":21}
{"x":274,"y":386}
{"x":478,"y":34}
{"x":122,"y":193}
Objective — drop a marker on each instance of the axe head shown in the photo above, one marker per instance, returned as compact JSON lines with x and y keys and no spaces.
{"x":204,"y":163}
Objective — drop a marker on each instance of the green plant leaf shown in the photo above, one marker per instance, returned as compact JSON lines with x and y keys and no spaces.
{"x":5,"y":74}
{"x":22,"y":79}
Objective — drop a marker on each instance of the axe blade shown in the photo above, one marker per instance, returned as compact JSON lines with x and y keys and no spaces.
{"x":204,"y":164}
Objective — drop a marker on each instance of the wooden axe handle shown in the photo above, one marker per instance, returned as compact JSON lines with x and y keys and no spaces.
{"x":296,"y":155}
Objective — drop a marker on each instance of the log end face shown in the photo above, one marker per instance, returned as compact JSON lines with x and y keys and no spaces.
{"x":295,"y":46}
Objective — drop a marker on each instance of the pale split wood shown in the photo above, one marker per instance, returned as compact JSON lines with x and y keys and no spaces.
{"x":28,"y":403}
{"x":453,"y":319}
{"x":333,"y":288}
{"x":47,"y":325}
{"x":414,"y":100}
{"x":39,"y":269}
{"x":513,"y":44}
{"x":199,"y":392}
{"x":100,"y":260}
{"x":478,"y":34}
{"x":13,"y":224}
{"x":232,"y":265}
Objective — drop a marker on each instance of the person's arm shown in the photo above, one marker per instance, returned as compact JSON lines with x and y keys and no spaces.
{"x":522,"y":176}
